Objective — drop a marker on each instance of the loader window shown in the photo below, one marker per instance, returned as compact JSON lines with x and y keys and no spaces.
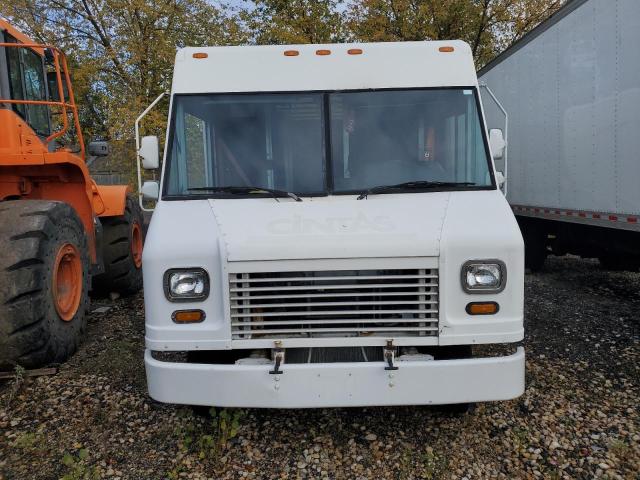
{"x":27,"y":82}
{"x":34,"y":89}
{"x":15,"y":79}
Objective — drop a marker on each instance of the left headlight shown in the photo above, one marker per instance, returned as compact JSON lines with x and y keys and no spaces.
{"x":186,"y":284}
{"x":484,"y":276}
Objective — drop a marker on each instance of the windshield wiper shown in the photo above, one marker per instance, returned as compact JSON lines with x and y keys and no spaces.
{"x":246,"y":190}
{"x":416,"y":184}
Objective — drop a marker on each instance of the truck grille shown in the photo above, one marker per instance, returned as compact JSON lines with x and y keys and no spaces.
{"x":340,"y":303}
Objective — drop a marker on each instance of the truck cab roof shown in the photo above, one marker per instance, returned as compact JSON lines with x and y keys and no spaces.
{"x":280,"y":68}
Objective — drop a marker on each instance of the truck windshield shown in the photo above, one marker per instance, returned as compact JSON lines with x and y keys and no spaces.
{"x":279,"y":141}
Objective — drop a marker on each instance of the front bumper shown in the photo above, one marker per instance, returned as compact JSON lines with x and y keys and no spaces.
{"x":337,"y":384}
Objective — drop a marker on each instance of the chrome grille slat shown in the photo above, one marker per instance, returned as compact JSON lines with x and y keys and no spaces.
{"x":335,"y":294}
{"x":321,"y":287}
{"x":337,"y":304}
{"x":325,"y":322}
{"x":346,"y":330}
{"x":323,"y":278}
{"x":326,"y":313}
{"x":340,"y":303}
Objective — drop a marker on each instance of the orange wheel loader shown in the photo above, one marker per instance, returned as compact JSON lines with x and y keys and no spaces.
{"x":60,"y":233}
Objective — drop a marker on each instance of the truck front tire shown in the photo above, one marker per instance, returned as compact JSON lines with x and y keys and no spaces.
{"x":44,"y":282}
{"x":122,"y":252}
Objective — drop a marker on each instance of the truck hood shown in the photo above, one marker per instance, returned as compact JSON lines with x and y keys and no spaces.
{"x":331,"y":227}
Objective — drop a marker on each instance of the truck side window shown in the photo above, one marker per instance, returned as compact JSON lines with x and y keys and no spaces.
{"x":196,"y":157}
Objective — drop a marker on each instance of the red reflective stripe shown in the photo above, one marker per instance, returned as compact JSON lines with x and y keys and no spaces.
{"x":596,"y":215}
{"x":613,"y":218}
{"x":632,"y":220}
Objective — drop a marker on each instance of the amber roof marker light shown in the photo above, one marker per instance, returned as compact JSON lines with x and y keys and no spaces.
{"x":446,"y":49}
{"x":200,"y":55}
{"x":291,"y":53}
{"x":323,"y":52}
{"x":354,"y":51}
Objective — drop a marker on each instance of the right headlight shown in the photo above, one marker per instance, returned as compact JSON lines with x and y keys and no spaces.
{"x":186,"y":284}
{"x":484,"y":276}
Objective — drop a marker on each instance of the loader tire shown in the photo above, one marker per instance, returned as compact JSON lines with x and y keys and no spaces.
{"x":123,"y":238}
{"x":44,"y":282}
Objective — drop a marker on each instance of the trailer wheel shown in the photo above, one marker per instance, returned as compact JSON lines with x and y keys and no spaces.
{"x":123,"y":239}
{"x":44,"y":282}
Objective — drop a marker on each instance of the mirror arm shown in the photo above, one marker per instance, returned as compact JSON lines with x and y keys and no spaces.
{"x":506,"y":132}
{"x":137,"y":134}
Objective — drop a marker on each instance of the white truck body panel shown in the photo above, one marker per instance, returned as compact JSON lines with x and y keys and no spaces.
{"x":572,"y":91}
{"x":466,"y":223}
{"x":429,"y":231}
{"x":266,"y":69}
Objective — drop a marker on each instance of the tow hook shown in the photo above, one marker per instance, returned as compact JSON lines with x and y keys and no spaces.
{"x":278,"y":355}
{"x":389,"y":355}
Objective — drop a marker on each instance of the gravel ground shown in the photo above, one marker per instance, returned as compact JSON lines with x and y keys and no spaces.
{"x":579,"y":416}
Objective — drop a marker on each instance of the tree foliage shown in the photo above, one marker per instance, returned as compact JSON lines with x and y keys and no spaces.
{"x":488,"y":26}
{"x":295,"y":21}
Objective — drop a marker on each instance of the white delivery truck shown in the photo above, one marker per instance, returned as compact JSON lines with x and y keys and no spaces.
{"x":329,"y":232}
{"x":571,"y":88}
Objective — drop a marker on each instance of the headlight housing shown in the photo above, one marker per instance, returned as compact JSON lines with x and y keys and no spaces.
{"x":186,"y":284}
{"x":484,"y":276}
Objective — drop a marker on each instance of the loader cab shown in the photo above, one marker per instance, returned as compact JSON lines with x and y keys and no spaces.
{"x":23,"y":77}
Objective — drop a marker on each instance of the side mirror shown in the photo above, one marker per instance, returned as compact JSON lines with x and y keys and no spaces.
{"x":99,"y":149}
{"x":496,"y":143}
{"x":149,"y":151}
{"x":500,"y":178}
{"x":150,"y":190}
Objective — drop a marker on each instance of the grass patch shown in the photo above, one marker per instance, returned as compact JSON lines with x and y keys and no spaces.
{"x":78,"y":468}
{"x":208,"y":442}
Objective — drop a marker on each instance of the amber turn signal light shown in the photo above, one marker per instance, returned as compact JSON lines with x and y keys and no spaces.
{"x":188,"y":316}
{"x":482,"y":308}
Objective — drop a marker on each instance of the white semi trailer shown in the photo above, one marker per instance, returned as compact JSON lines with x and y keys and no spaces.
{"x":330,"y":232}
{"x":571,"y":89}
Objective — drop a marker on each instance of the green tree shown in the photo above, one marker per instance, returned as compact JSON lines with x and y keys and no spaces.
{"x":295,"y":21}
{"x":488,"y":26}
